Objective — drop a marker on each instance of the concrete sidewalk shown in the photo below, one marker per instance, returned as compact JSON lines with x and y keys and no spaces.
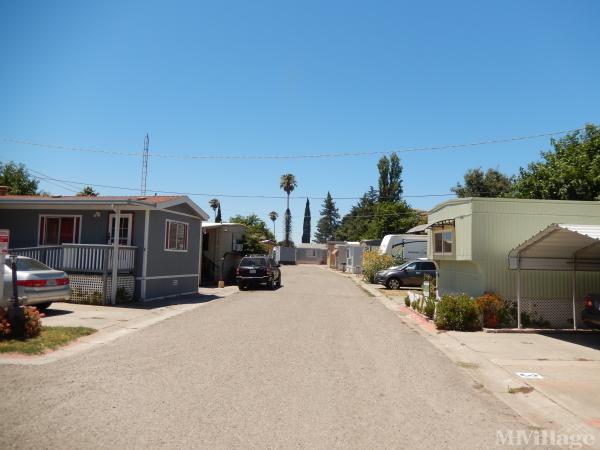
{"x":568,"y":394}
{"x":113,"y":322}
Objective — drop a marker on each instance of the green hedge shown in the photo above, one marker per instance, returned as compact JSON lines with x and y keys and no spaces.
{"x":457,"y":312}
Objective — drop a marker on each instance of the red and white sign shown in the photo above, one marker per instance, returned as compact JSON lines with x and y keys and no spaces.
{"x":4,"y":237}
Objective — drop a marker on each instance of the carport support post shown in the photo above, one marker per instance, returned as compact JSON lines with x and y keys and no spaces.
{"x":115,"y":257}
{"x":519,"y":296}
{"x":574,"y":283}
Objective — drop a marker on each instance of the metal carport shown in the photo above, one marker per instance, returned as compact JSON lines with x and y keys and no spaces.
{"x":559,"y":247}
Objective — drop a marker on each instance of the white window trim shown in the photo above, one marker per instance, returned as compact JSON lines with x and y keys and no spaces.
{"x":442,"y":231}
{"x":59,"y":225}
{"x":187,"y":236}
{"x":129,"y":227}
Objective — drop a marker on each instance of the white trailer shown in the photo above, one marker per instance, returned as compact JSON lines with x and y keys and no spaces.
{"x":405,"y":246}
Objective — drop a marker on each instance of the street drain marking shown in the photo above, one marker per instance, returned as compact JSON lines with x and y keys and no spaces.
{"x":529,"y":375}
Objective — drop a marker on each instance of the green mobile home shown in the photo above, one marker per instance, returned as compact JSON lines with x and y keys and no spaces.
{"x":470,"y":239}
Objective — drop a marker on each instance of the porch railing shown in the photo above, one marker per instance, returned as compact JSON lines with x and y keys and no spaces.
{"x":81,"y":257}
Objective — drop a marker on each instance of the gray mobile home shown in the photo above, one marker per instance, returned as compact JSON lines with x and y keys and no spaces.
{"x":156,"y":255}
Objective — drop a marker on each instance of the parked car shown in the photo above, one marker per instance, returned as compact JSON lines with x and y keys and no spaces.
{"x":410,"y":273}
{"x":591,"y":312}
{"x":37,"y":283}
{"x":258,"y":269}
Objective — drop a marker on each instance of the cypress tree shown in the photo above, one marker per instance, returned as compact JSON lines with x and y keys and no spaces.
{"x":306,"y":228}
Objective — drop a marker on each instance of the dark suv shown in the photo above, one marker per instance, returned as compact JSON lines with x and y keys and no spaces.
{"x":410,"y":273}
{"x":258,"y":269}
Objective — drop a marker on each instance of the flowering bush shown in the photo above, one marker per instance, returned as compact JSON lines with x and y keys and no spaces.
{"x":373,"y":262}
{"x":33,"y":321}
{"x":492,"y":308}
{"x":4,"y":324}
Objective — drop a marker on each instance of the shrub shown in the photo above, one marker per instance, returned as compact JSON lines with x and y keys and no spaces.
{"x":123,"y":296}
{"x":5,"y":329}
{"x":373,"y":262}
{"x":429,"y":308}
{"x":457,"y":312}
{"x":407,"y":301}
{"x":491,"y":306}
{"x":413,"y":304}
{"x":33,"y":321}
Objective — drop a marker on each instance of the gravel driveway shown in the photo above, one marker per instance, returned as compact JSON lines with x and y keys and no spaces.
{"x":315,"y":364}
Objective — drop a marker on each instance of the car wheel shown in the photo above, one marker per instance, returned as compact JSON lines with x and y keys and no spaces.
{"x":279,"y":282}
{"x":43,"y":306}
{"x":393,"y":283}
{"x":270,"y":284}
{"x":242,"y":287}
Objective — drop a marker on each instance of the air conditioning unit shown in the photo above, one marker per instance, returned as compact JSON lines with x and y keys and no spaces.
{"x":238,"y":247}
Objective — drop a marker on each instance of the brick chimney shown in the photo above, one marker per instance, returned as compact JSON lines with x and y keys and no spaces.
{"x":3,"y":191}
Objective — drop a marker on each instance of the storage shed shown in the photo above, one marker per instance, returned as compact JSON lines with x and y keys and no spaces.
{"x":470,"y":240}
{"x":354,"y":257}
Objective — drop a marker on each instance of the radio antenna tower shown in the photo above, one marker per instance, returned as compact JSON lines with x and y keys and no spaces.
{"x":145,"y":165}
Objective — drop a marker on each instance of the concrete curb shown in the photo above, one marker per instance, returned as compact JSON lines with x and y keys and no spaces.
{"x":106,"y":335}
{"x":538,"y":409}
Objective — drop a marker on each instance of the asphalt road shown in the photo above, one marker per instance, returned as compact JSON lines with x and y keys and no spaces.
{"x":315,"y":364}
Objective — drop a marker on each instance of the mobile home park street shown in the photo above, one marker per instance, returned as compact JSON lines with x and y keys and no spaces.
{"x":317,"y":363}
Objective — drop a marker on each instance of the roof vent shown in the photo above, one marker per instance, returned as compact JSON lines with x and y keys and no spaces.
{"x":142,"y":198}
{"x":56,"y":196}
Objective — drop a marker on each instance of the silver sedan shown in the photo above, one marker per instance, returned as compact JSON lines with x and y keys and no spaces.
{"x":38,"y":285}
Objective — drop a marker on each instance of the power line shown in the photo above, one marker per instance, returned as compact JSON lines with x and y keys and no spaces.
{"x":42,"y":176}
{"x":289,"y":156}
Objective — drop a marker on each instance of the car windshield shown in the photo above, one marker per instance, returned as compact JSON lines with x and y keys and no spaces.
{"x":28,"y":265}
{"x":253,"y":262}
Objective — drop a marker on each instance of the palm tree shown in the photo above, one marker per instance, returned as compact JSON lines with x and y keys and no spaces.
{"x":273,"y":216}
{"x":288,"y":183}
{"x":214,"y":204}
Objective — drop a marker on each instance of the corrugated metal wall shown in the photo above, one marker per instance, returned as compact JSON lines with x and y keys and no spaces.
{"x":484,"y":239}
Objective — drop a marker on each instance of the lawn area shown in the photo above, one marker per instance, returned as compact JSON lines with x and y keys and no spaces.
{"x":49,"y":339}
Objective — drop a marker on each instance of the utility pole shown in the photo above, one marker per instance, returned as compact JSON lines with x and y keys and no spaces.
{"x":145,"y":165}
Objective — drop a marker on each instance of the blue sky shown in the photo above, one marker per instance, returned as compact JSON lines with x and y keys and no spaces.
{"x":291,"y":78}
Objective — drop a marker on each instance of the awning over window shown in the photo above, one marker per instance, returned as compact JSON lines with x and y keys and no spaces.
{"x":559,"y":247}
{"x":417,"y":229}
{"x":441,"y":223}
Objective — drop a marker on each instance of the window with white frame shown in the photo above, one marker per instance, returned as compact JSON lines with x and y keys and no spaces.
{"x":57,"y":230}
{"x":442,"y":244}
{"x":176,"y":236}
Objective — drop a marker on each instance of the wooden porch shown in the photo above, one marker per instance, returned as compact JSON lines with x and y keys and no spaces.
{"x":82,"y":258}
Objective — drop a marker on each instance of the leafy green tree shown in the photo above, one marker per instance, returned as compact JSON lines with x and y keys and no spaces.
{"x":354,"y":225}
{"x":492,"y":183}
{"x":390,"y":178}
{"x":17,"y":179}
{"x":390,"y":218}
{"x":256,"y":232}
{"x":395,"y":180}
{"x":383,"y":165}
{"x":329,"y":221}
{"x":571,"y":171}
{"x":273,"y":216}
{"x":306,"y":227}
{"x":288,"y":183}
{"x":88,"y":191}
